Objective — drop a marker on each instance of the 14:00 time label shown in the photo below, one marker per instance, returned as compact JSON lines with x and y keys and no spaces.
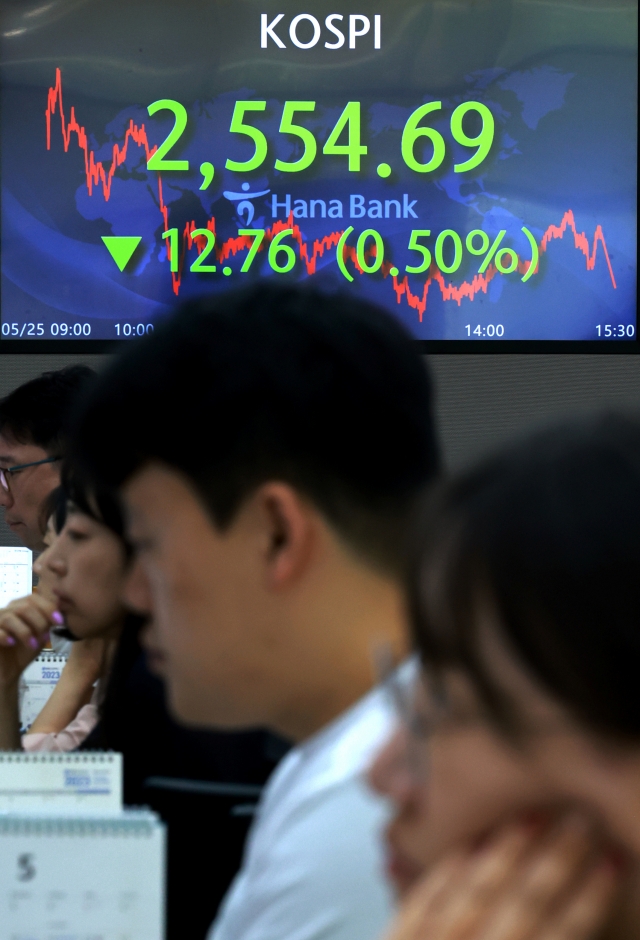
{"x":491,"y":331}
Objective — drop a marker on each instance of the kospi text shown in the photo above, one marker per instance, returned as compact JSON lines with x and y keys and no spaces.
{"x":305,"y":30}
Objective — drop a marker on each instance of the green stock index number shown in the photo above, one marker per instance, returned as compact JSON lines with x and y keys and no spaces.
{"x":448,"y":253}
{"x":348,"y":128}
{"x":276,"y":250}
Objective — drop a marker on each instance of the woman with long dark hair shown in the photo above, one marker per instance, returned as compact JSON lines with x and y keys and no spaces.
{"x":83,"y":571}
{"x":516,"y":766}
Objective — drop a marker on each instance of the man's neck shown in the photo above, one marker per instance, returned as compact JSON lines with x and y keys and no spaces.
{"x":354,"y":617}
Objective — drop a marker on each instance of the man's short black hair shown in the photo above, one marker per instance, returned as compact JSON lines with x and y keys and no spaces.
{"x":38,"y":411}
{"x":325,"y":392}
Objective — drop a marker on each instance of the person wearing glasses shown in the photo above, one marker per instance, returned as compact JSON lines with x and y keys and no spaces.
{"x":515,"y":767}
{"x":32,"y":444}
{"x":33,"y":421}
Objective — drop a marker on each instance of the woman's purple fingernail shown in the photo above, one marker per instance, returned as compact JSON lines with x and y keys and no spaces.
{"x":11,"y":641}
{"x":33,"y":643}
{"x":57,"y":617}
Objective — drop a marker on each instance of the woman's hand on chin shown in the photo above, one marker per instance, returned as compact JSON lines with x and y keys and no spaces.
{"x":531,"y":880}
{"x":24,"y":629}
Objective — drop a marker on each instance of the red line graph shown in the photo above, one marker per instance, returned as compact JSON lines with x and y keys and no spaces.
{"x":95,"y":171}
{"x":243,"y":242}
{"x":96,"y":175}
{"x":480,"y":282}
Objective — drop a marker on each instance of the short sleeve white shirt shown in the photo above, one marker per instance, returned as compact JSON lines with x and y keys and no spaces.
{"x":313,"y":866}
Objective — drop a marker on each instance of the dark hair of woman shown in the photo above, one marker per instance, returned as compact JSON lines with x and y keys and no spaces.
{"x":96,"y":501}
{"x":546,"y":536}
{"x":54,"y":505}
{"x":102,"y":504}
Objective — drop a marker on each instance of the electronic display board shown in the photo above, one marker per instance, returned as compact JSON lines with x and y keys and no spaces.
{"x":469,"y":165}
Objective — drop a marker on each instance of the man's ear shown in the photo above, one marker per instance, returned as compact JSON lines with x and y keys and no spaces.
{"x":289,"y":525}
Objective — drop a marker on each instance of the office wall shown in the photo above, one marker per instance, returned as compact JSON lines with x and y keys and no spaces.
{"x":484,"y":400}
{"x":481,"y":400}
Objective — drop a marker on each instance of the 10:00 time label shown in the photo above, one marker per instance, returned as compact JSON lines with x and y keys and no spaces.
{"x":129,"y":330}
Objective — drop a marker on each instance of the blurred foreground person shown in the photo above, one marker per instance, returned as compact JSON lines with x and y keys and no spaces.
{"x":32,"y":444}
{"x":516,"y":769}
{"x":286,"y":435}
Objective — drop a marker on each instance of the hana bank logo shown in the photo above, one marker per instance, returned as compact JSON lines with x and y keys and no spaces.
{"x":356,"y":25}
{"x":244,"y":201}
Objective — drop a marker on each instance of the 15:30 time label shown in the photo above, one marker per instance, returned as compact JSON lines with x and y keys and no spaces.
{"x":344,"y":140}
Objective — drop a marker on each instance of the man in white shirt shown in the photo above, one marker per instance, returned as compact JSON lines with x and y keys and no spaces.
{"x":313,"y":865}
{"x":286,"y":436}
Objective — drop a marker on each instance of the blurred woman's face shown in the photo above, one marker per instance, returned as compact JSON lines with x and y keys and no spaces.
{"x":450,"y":785}
{"x":85,"y":569}
{"x":463,"y":779}
{"x":592,"y":770}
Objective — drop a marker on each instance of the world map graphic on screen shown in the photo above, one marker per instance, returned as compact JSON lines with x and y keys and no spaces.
{"x":488,"y":212}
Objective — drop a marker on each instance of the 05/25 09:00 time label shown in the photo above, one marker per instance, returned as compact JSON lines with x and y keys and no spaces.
{"x":74,"y":330}
{"x":35,"y":330}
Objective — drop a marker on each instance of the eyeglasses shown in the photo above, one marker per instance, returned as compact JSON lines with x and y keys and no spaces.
{"x":7,"y":472}
{"x":400,"y":685}
{"x":421,"y":706}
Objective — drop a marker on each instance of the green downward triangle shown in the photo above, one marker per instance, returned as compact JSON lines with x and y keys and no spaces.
{"x":121,"y":247}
